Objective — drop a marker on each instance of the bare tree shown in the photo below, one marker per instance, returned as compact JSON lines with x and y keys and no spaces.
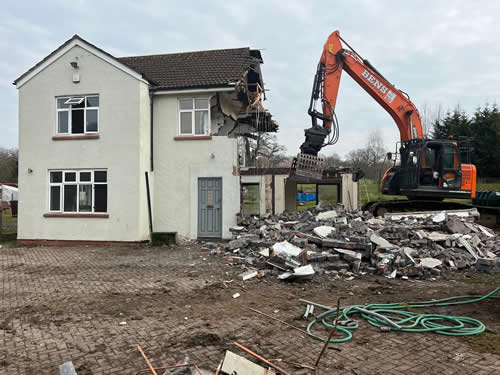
{"x":334,"y":160}
{"x":429,"y":115}
{"x":371,"y":159}
{"x":263,"y":150}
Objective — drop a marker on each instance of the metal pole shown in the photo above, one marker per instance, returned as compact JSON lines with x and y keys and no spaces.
{"x":149,"y":204}
{"x":329,"y":337}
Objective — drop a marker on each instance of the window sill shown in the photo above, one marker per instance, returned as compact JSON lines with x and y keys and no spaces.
{"x":74,"y":137}
{"x":89,"y":215}
{"x":193,"y":138}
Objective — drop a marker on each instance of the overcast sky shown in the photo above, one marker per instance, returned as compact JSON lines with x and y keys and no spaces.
{"x":439,"y":52}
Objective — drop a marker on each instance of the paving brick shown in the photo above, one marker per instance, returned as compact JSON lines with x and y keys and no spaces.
{"x":61,"y":304}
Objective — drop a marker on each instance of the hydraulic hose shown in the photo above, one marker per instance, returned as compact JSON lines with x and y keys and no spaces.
{"x":397,"y":317}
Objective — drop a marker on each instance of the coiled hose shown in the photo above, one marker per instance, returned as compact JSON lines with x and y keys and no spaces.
{"x":398,"y":317}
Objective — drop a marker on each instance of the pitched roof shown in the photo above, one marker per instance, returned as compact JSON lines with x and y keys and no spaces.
{"x":201,"y":69}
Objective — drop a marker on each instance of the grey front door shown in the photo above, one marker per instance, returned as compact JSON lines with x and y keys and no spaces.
{"x":210,"y":207}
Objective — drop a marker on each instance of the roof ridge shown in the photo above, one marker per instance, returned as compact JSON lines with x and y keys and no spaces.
{"x":185,"y":53}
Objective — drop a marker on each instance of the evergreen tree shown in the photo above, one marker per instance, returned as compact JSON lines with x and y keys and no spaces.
{"x":486,"y":135}
{"x":454,"y":125}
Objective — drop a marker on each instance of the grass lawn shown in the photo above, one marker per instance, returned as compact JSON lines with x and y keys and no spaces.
{"x":326,"y":193}
{"x":369,"y":191}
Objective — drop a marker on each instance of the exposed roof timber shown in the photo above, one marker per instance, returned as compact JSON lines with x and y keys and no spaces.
{"x":65,"y":47}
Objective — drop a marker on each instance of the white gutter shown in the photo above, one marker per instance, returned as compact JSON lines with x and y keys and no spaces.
{"x":193,"y":91}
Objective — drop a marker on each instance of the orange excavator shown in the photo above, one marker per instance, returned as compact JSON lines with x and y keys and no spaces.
{"x":423,"y":169}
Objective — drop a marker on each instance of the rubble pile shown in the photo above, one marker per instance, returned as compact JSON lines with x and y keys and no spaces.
{"x":331,"y":241}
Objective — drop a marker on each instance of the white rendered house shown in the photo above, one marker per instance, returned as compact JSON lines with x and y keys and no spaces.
{"x":111,"y":149}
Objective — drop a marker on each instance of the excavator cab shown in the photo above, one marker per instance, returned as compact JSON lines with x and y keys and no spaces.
{"x":428,"y":169}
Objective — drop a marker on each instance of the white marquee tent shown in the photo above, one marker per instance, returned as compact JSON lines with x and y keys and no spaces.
{"x":9,"y":193}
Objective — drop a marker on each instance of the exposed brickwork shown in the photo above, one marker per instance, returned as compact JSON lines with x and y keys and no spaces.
{"x":67,"y":243}
{"x":62,"y":304}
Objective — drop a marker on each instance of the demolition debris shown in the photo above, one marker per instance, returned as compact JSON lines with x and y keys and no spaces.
{"x":338,"y":244}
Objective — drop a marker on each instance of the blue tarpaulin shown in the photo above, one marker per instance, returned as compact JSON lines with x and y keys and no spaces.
{"x":306,"y":197}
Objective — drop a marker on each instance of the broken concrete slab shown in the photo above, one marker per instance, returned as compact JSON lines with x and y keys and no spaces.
{"x":440,"y":217}
{"x":303,"y":273}
{"x":285,"y":248}
{"x":235,"y":364}
{"x":248,"y":275}
{"x":327,"y":215}
{"x":381,"y":242}
{"x":323,"y":231}
{"x":430,"y":262}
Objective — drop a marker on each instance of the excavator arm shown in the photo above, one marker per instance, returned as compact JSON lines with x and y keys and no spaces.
{"x":334,"y":60}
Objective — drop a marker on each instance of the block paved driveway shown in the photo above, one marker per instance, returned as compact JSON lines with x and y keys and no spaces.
{"x":66,"y":304}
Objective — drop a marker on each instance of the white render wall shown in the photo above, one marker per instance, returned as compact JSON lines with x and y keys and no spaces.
{"x":179,"y":164}
{"x":122,"y":148}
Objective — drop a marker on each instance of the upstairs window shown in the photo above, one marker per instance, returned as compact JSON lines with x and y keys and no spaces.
{"x":78,"y":191}
{"x":78,"y":115}
{"x":194,"y":117}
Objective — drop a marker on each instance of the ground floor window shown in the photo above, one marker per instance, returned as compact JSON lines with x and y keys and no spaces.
{"x":84,"y":191}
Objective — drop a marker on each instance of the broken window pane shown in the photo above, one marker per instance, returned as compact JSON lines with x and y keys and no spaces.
{"x":70,"y":176}
{"x":201,"y":103}
{"x":61,"y":103}
{"x":55,"y":198}
{"x":70,"y":198}
{"x":74,"y":101}
{"x":62,"y":122}
{"x":101,"y":198}
{"x":100,"y":176}
{"x":55,"y":176}
{"x":186,"y":103}
{"x":92,"y":101}
{"x":92,"y":120}
{"x":85,"y":197}
{"x":186,"y":123}
{"x":201,"y":122}
{"x":77,"y":122}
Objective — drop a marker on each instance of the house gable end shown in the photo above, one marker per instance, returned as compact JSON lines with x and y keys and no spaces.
{"x":67,"y":46}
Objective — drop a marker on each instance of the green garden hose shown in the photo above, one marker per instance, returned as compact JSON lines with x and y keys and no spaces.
{"x":397,"y":317}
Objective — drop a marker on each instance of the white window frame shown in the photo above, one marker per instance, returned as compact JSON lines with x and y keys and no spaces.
{"x":70,"y":109}
{"x":193,"y":117}
{"x":77,"y":182}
